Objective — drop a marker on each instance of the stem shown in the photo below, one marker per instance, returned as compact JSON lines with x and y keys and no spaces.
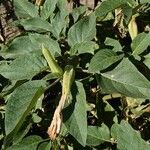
{"x":54,"y":83}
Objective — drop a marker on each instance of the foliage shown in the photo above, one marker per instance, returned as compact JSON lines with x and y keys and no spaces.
{"x":109,"y":103}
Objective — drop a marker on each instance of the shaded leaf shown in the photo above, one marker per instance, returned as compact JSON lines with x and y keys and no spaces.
{"x":97,"y":135}
{"x":77,"y":122}
{"x":30,"y":142}
{"x":82,"y":31}
{"x":24,"y":67}
{"x":127,"y":138}
{"x":103,"y":59}
{"x":140,"y":43}
{"x":20,"y":103}
{"x":127,"y":80}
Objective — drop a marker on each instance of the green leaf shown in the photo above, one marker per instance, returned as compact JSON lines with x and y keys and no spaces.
{"x":77,"y":122}
{"x":20,"y":46}
{"x":20,"y":103}
{"x":84,"y":47}
{"x":140,"y":43}
{"x":97,"y":135}
{"x":102,"y":60}
{"x":28,"y":143}
{"x":82,"y":31}
{"x":127,"y":138}
{"x":52,"y":45}
{"x":127,"y":80}
{"x":77,"y":12}
{"x":24,"y":9}
{"x":109,"y":5}
{"x":36,"y":24}
{"x":24,"y":67}
{"x":61,"y":19}
{"x":31,"y":44}
{"x":147,"y":61}
{"x":48,"y":8}
{"x":128,"y":12}
{"x":114,"y":43}
{"x":45,"y":146}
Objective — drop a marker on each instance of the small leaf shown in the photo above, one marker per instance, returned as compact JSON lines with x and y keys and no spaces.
{"x":25,"y":9}
{"x":77,"y":122}
{"x":36,"y":24}
{"x":97,"y":135}
{"x":103,"y":59}
{"x":30,"y":142}
{"x":82,"y":31}
{"x":24,"y":67}
{"x":19,"y":104}
{"x":140,"y":43}
{"x":127,"y":138}
{"x":127,"y":80}
{"x":84,"y":47}
{"x":48,"y":8}
{"x":77,"y":12}
{"x":114,"y":43}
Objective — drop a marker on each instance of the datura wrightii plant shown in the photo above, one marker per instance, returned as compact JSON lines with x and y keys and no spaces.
{"x":77,"y":77}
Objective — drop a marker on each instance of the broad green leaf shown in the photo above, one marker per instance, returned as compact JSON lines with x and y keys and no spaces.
{"x":20,"y":103}
{"x":127,"y":80}
{"x":82,"y":31}
{"x":24,"y":9}
{"x":50,"y":44}
{"x":109,"y":5}
{"x":28,"y":143}
{"x":31,"y":44}
{"x":48,"y":8}
{"x":147,"y":61}
{"x":140,"y":43}
{"x":84,"y":47}
{"x":24,"y":67}
{"x":127,"y":138}
{"x":77,"y":122}
{"x":97,"y":135}
{"x":77,"y":12}
{"x":114,"y":43}
{"x":103,"y":59}
{"x":20,"y":46}
{"x":36,"y":24}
